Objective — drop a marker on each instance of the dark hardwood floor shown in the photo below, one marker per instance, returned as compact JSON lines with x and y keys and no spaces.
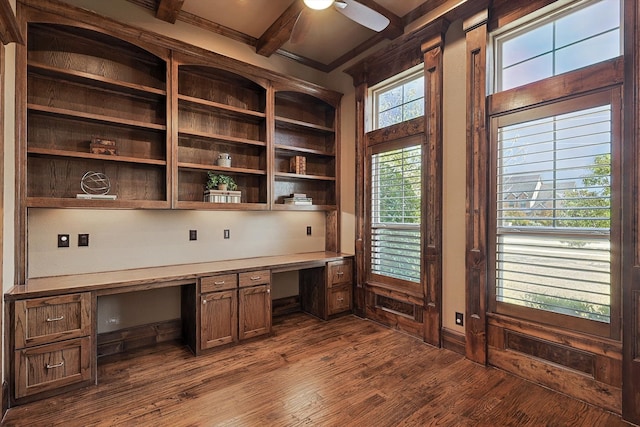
{"x":345,"y":372}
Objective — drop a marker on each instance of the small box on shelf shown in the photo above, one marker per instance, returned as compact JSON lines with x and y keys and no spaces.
{"x":103,"y":146}
{"x":298,"y":164}
{"x":220,"y":196}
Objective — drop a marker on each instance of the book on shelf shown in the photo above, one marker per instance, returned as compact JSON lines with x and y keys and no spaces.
{"x":298,"y":165}
{"x":300,"y":201}
{"x":298,"y":195}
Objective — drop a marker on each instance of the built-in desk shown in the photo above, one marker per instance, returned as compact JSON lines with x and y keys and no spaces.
{"x":52,"y":320}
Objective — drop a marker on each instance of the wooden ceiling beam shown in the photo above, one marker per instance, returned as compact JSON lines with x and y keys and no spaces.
{"x":280,"y":31}
{"x":168,"y":10}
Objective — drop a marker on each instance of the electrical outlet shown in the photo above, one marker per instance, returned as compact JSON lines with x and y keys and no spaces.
{"x":308,"y":230}
{"x":227,"y":234}
{"x":63,"y":240}
{"x":459,"y":319}
{"x":193,"y":234}
{"x":83,"y":240}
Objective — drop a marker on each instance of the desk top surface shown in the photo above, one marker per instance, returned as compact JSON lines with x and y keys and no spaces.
{"x":110,"y":280}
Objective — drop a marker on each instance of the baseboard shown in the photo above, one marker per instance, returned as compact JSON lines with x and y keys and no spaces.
{"x":287,"y":305}
{"x":138,"y":336}
{"x":454,"y":341}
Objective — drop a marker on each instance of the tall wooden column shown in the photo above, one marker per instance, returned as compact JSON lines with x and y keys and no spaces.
{"x":432,"y":186}
{"x":360,"y":204}
{"x":631,"y":218}
{"x":475,"y":29}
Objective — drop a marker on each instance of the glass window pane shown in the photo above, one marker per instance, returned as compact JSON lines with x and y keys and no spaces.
{"x":526,"y":72}
{"x":390,"y":117}
{"x":414,"y":90}
{"x":595,"y":19}
{"x":413,"y":109}
{"x":390,"y":99}
{"x":528,"y":45}
{"x":590,"y":51}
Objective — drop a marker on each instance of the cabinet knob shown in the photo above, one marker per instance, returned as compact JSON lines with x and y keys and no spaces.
{"x":204,"y":301}
{"x":57,"y":365}
{"x":54,"y":319}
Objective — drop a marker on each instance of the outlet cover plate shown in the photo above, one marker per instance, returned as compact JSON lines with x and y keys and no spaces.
{"x":63,"y":240}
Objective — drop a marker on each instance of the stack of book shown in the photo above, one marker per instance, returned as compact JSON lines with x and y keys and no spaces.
{"x":298,"y":164}
{"x":298,"y":199}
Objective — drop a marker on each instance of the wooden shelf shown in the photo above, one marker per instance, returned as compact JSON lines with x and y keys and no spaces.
{"x":284,"y":207}
{"x":298,"y":124}
{"x":223,"y":206}
{"x":228,"y":170}
{"x":286,"y":175}
{"x":81,"y":155}
{"x":218,"y":137}
{"x":229,"y":109}
{"x":293,"y":150}
{"x":62,"y":112}
{"x":93,"y":80}
{"x":50,"y":202}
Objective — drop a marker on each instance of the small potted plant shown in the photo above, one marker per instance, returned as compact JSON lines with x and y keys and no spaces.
{"x":221,"y":182}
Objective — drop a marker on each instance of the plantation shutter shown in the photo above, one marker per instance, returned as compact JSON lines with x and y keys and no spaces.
{"x":395,"y":213}
{"x":553,"y":248}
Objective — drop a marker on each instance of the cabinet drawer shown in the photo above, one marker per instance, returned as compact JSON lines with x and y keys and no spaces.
{"x":51,"y":366}
{"x":45,"y":320}
{"x":340,"y":272}
{"x":220,"y":282}
{"x":339,"y":299}
{"x":253,"y":278}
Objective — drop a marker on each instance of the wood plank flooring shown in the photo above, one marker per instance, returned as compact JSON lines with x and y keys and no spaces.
{"x":345,"y":372}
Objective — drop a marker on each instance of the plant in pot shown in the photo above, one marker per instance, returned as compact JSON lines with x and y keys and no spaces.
{"x":220,"y":182}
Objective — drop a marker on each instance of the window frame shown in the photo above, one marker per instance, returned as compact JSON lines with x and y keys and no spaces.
{"x":539,"y":19}
{"x":501,"y":113}
{"x":414,"y":288}
{"x":408,"y":76}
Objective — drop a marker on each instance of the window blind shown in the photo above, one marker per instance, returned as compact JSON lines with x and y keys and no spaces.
{"x":554,"y":212}
{"x":395,"y":213}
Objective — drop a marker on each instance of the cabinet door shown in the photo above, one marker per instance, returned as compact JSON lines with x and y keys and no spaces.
{"x":255,"y":311}
{"x":218,"y":319}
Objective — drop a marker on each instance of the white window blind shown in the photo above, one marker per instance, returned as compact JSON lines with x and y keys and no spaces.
{"x":395,"y":213}
{"x":554,"y":213}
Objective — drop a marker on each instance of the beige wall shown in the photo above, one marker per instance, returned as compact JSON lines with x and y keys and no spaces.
{"x":454,"y":179}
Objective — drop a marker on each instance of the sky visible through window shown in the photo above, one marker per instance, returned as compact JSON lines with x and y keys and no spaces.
{"x":583,"y":37}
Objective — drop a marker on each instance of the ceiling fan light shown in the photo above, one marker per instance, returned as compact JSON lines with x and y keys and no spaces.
{"x":318,"y":4}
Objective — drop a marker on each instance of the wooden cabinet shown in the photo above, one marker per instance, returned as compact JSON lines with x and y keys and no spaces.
{"x":221,"y":112}
{"x":305,"y":126}
{"x":254,"y":304}
{"x":52,"y":343}
{"x":218,"y":311}
{"x":84,"y":85}
{"x":327,"y":292}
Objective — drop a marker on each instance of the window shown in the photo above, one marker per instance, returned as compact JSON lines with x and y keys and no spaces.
{"x":399,"y":101}
{"x":572,"y":39}
{"x":395,"y":213}
{"x":553,"y":252}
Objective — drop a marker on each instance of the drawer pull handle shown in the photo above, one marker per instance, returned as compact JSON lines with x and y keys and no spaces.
{"x":219,"y":283}
{"x":340,"y":273}
{"x":54,"y":319}
{"x":340,"y":299}
{"x":256,"y":277}
{"x":57,"y":365}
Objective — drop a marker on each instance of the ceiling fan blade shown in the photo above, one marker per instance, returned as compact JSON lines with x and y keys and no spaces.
{"x":362,"y":14}
{"x":301,"y":27}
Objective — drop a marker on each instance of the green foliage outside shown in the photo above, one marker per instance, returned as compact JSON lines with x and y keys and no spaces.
{"x":584,"y":309}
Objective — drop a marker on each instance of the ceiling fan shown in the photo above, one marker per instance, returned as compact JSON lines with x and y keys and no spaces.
{"x":353,"y":10}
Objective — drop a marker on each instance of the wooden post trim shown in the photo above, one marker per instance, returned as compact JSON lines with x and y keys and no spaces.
{"x":475,"y":29}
